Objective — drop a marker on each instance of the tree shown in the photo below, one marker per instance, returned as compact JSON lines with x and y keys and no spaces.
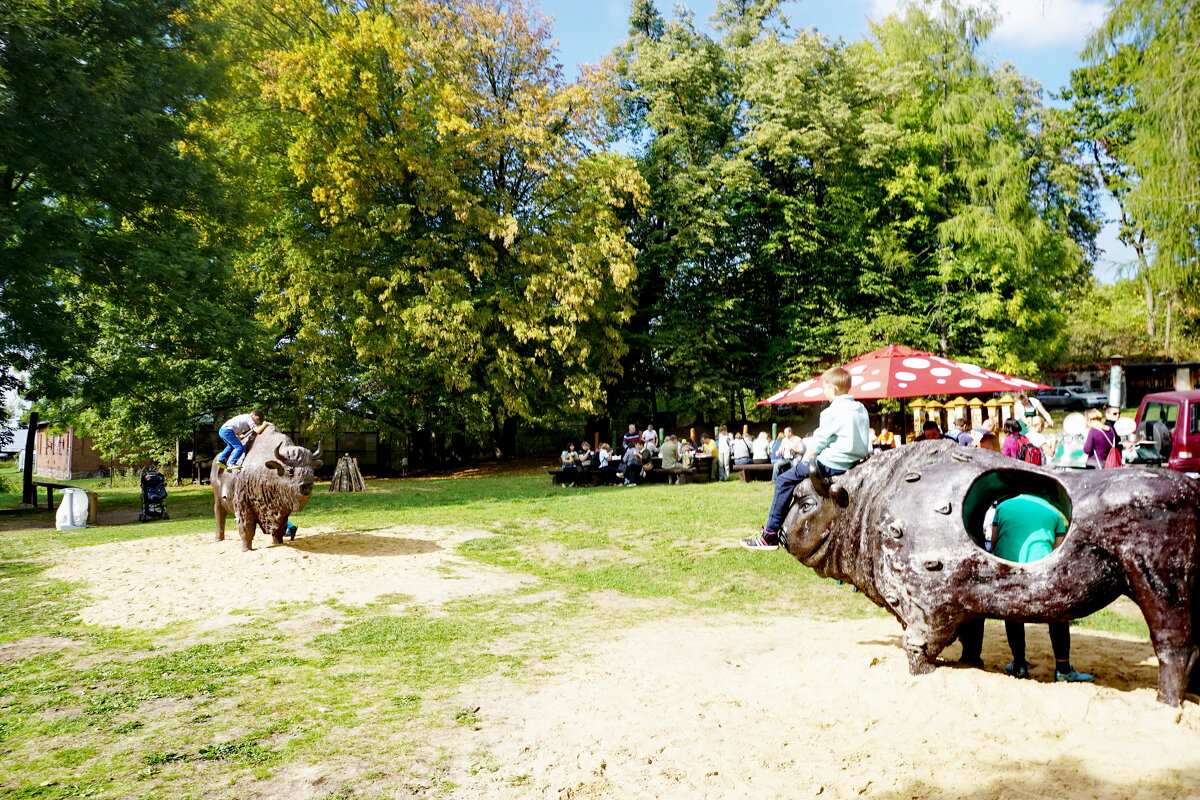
{"x":435,"y":230}
{"x":111,"y":288}
{"x":1138,"y":102}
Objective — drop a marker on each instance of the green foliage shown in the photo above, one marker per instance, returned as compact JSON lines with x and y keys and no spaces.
{"x":111,"y":287}
{"x":435,"y":230}
{"x":812,"y":200}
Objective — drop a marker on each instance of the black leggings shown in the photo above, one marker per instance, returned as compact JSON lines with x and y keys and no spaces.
{"x":1060,"y":640}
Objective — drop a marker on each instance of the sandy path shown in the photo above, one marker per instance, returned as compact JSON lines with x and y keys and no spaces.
{"x":799,"y":708}
{"x":149,"y":583}
{"x":695,"y":707}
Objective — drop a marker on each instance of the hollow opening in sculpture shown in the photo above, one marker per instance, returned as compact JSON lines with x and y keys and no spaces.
{"x":1001,"y":484}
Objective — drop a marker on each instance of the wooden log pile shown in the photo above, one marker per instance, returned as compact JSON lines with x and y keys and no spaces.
{"x":347,"y":477}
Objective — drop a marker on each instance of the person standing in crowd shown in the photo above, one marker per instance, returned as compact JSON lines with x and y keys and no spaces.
{"x":1026,"y":408}
{"x":791,"y":450}
{"x":650,"y":438}
{"x":988,"y":426}
{"x":1027,"y":528}
{"x":1038,"y":438}
{"x":760,"y":448}
{"x":964,"y":437}
{"x":1013,"y":438}
{"x":1100,"y":439}
{"x":741,"y":449}
{"x":841,"y":440}
{"x":631,"y":437}
{"x":724,"y":453}
{"x":989,"y":441}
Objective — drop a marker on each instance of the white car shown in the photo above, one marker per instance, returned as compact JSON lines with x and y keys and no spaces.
{"x":1072,"y":397}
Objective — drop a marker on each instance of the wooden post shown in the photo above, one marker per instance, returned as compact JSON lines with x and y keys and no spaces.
{"x":28,"y":497}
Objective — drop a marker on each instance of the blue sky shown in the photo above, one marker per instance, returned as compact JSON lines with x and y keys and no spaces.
{"x":1041,"y":38}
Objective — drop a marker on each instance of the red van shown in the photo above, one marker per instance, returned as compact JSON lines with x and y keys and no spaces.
{"x":1169,"y":425}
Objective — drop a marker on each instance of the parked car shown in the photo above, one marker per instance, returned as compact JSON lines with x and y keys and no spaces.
{"x":1168,"y":429}
{"x":1074,"y":398}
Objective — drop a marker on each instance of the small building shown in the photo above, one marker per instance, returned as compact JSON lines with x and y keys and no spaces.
{"x":64,"y":456}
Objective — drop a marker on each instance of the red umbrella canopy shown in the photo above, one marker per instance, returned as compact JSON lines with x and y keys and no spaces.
{"x":898,"y":371}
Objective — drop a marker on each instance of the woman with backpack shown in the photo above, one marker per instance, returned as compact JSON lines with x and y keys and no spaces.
{"x":1100,"y":440}
{"x":1018,"y":446}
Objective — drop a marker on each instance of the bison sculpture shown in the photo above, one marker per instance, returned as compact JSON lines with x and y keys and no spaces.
{"x":274,"y":482}
{"x":906,"y":528}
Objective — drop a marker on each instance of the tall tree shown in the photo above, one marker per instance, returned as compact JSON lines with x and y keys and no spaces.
{"x":1152,"y":47}
{"x":436,"y":233}
{"x":110,"y":285}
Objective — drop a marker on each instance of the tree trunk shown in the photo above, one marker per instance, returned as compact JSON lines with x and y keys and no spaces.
{"x":27,"y":490}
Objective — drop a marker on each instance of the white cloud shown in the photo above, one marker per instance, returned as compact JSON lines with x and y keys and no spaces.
{"x":1031,"y":23}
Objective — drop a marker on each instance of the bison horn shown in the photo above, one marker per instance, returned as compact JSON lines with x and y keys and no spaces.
{"x":316,"y":453}
{"x":279,"y":457}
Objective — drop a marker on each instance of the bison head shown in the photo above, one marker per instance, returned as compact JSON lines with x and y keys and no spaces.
{"x":815,"y":505}
{"x":295,"y":466}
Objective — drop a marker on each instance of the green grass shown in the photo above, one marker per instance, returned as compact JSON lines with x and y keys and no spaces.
{"x":89,"y":711}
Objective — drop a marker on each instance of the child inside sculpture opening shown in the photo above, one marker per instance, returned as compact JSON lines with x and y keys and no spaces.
{"x":842,"y":440}
{"x":1027,"y":528}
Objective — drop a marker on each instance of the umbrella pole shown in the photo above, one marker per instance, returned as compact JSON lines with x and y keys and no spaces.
{"x":903,"y":421}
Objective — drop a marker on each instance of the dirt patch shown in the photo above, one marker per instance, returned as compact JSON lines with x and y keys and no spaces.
{"x":800,"y":708}
{"x":32,"y":646}
{"x":149,"y":583}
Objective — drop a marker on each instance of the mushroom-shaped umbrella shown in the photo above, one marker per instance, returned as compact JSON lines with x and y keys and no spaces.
{"x":898,"y":371}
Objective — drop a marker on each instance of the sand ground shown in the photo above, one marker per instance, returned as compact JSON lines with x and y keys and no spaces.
{"x":700,"y":707}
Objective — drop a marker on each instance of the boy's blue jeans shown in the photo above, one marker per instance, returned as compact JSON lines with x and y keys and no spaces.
{"x":233,"y":446}
{"x":785,"y":484}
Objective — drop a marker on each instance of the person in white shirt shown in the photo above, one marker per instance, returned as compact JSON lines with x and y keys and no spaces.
{"x":760,"y":448}
{"x":790,"y":450}
{"x":650,"y":438}
{"x":231,"y":434}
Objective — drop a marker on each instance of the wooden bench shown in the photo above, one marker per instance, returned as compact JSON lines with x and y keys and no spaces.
{"x":590,"y":477}
{"x":660,"y":475}
{"x":745,"y":471}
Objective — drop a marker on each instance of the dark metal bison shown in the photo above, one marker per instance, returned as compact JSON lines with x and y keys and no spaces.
{"x":906,"y":527}
{"x":275,"y":481}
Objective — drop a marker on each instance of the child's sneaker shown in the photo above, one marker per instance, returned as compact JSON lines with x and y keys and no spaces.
{"x":1017,"y":670}
{"x":766,"y":540}
{"x":220,"y":465}
{"x":235,"y":466}
{"x":1074,"y":676}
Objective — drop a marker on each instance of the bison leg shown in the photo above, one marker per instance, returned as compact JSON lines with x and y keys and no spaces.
{"x":246,"y":524}
{"x":220,"y":513}
{"x":1170,"y":623}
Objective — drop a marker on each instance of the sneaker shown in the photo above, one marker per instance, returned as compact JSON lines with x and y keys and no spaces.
{"x":1074,"y":676}
{"x":1016,"y":671}
{"x":220,"y":465}
{"x":235,"y":466}
{"x":766,"y":540}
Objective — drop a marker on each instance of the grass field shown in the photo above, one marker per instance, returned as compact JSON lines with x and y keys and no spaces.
{"x":189,"y":711}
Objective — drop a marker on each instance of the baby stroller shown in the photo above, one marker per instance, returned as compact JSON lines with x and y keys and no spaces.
{"x":154,"y":496}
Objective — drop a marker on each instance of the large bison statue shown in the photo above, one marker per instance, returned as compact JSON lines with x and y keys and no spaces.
{"x":906,"y":528}
{"x":275,"y":481}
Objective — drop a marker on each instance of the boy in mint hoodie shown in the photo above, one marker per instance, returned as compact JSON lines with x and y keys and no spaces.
{"x":841,"y":440}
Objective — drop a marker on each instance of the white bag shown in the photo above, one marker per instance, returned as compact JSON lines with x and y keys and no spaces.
{"x":72,"y":511}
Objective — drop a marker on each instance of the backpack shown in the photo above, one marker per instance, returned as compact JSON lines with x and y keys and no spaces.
{"x":1029,"y":452}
